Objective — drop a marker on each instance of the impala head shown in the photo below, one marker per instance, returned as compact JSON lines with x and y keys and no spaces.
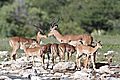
{"x":98,"y":44}
{"x":52,"y":31}
{"x":40,"y":35}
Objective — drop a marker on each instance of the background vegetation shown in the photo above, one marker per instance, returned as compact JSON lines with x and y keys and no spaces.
{"x":75,"y":16}
{"x":101,"y":18}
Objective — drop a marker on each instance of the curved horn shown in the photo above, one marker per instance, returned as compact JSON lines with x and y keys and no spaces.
{"x":54,"y":25}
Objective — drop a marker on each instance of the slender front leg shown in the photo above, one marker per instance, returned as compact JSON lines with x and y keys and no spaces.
{"x":33,"y":62}
{"x":78,"y":61}
{"x":62,"y":56}
{"x":86,"y":61}
{"x":43,"y":58}
{"x":68,"y":56}
{"x":14,"y":51}
{"x":53,"y":59}
{"x":48,"y":56}
{"x":13,"y":55}
{"x":92,"y":60}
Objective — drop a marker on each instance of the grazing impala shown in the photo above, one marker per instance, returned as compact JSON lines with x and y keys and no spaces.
{"x":85,"y":38}
{"x":16,"y":42}
{"x":89,"y":51}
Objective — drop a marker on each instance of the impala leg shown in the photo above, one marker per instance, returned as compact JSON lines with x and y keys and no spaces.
{"x":43,"y":59}
{"x":95,"y":56}
{"x":14,"y":51}
{"x":26,"y":58}
{"x":89,"y":62}
{"x":78,"y":61}
{"x":61,"y":56}
{"x":86,"y":61}
{"x":48,"y":56}
{"x":13,"y":55}
{"x":68,"y":54}
{"x":92,"y":60}
{"x":53,"y":59}
{"x":33,"y":62}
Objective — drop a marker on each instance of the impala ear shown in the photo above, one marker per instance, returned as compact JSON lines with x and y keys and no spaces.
{"x":69,"y":41}
{"x":81,"y":41}
{"x":99,"y":41}
{"x":56,"y":26}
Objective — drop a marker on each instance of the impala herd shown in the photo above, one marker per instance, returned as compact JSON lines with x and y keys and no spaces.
{"x":69,"y":44}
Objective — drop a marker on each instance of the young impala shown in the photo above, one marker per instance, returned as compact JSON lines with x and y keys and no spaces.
{"x":15,"y":43}
{"x":89,"y":51}
{"x":36,"y":51}
{"x":85,"y":38}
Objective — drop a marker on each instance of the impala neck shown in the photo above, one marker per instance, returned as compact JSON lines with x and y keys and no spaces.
{"x":95,"y":49}
{"x":58,"y":36}
{"x":39,"y":36}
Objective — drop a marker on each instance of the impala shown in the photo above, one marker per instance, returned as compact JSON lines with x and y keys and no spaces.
{"x":45,"y":49}
{"x":89,"y":51}
{"x":36,"y":51}
{"x":85,"y":38}
{"x":54,"y":51}
{"x":65,"y":48}
{"x":40,"y":36}
{"x":16,"y":42}
{"x":60,"y":50}
{"x":39,"y":51}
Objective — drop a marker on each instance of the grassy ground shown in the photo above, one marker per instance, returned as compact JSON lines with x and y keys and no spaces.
{"x":108,"y":42}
